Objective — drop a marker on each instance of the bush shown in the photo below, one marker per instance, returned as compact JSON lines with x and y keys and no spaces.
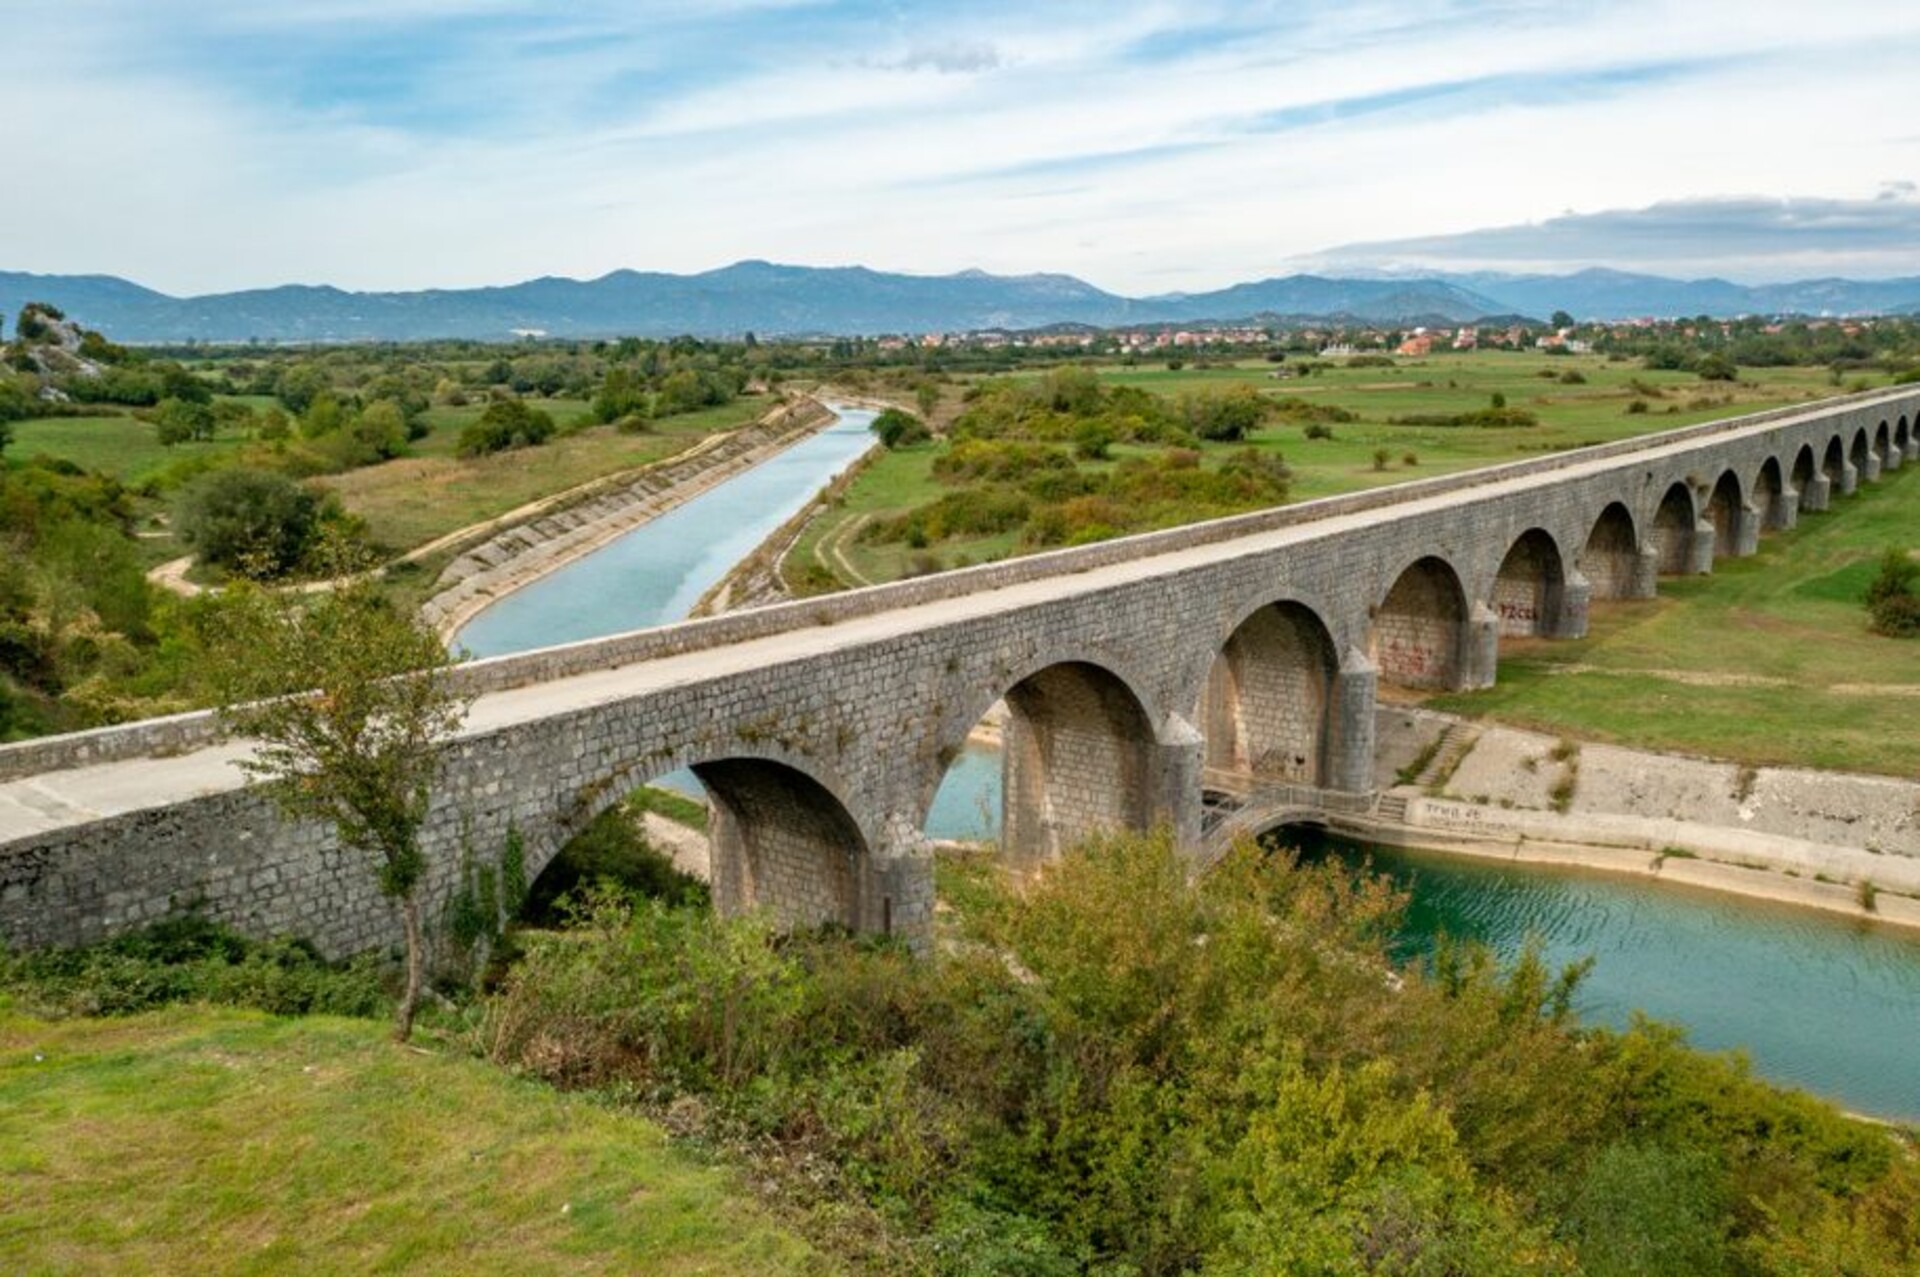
{"x":256,"y":522}
{"x":1893,"y":597}
{"x":509,"y":423}
{"x":898,"y":429}
{"x":189,"y":959}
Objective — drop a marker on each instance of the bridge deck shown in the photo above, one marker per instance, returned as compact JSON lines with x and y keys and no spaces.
{"x":52,"y":800}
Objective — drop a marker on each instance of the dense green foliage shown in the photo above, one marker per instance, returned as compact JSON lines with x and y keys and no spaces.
{"x":1107,"y":1070}
{"x":256,"y":522}
{"x":510,"y":423}
{"x":897,"y":429}
{"x":1032,"y":458}
{"x":189,"y":959}
{"x":1893,"y":598}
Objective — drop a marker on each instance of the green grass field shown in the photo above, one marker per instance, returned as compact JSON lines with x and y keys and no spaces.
{"x":124,"y":447}
{"x":1593,"y":410}
{"x":207,"y":1141}
{"x":1766,"y":661}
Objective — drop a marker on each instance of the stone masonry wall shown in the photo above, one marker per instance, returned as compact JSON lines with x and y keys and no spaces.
{"x":868,"y":701}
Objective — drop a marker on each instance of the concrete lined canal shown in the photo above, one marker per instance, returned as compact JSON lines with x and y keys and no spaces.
{"x":1822,"y":1003}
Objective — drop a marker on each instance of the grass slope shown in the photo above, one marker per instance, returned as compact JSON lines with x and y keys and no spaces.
{"x":196,"y":1140}
{"x":1766,"y":661}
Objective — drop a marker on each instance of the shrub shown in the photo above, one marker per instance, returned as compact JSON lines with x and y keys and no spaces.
{"x":252,"y":521}
{"x":1893,"y":597}
{"x":898,"y":429}
{"x":189,"y":959}
{"x":509,"y":423}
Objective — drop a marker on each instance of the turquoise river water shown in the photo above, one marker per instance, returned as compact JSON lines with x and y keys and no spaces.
{"x":1818,"y":1002}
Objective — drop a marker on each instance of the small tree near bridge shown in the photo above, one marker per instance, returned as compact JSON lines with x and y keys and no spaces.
{"x":349,"y":703}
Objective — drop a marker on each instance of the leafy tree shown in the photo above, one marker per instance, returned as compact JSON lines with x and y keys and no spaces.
{"x":300,"y":385}
{"x":1715,"y":367}
{"x":897,"y":429}
{"x":256,"y":522}
{"x":350,"y":703}
{"x":182,"y":421}
{"x":622,"y":394}
{"x":1561,"y":319}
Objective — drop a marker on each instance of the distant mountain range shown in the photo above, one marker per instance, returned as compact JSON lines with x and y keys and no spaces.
{"x":769,"y":299}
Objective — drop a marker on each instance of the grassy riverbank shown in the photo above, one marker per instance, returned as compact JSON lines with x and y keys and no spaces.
{"x":1766,"y":661}
{"x":221,"y":1141}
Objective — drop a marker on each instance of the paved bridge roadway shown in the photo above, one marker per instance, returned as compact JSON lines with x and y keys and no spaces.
{"x":1134,"y":670}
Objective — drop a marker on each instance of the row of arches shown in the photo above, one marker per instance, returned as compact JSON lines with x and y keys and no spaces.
{"x":1081,"y":749}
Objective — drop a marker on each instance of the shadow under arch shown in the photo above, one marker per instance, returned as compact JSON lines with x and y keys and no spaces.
{"x":1529,"y":591}
{"x":1610,"y":559}
{"x":1673,"y":531}
{"x":1723,"y":512}
{"x":780,"y":840}
{"x":1270,"y":696}
{"x":1769,"y":483}
{"x":1418,"y":637}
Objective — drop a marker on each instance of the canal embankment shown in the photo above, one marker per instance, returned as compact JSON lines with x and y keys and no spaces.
{"x":1842,"y":843}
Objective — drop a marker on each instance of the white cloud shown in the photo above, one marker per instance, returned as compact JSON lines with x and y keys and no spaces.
{"x":1145,"y":146}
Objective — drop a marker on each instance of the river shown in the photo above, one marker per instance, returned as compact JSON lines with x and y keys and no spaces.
{"x":1818,"y":1002}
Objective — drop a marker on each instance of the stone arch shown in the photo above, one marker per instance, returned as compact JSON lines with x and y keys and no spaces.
{"x":1883,"y":442}
{"x":1723,"y":511}
{"x":1610,"y":560}
{"x":1673,"y":531}
{"x":1769,"y":483}
{"x":782,"y":839}
{"x":781,"y":842}
{"x":1859,"y":453}
{"x":1270,"y":696}
{"x":1418,"y":637}
{"x":1078,"y":750}
{"x":1902,"y":435}
{"x":1529,"y":591}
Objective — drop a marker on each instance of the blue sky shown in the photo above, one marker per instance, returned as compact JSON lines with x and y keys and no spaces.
{"x":1145,"y":146}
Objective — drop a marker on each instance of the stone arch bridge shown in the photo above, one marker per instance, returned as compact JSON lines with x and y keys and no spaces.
{"x":1146,"y":678}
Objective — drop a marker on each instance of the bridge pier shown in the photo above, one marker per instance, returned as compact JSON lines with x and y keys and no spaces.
{"x":1784,"y":513}
{"x":1746,"y":531}
{"x":1911,"y":449}
{"x":1479,"y":648}
{"x":1871,"y":474}
{"x":1174,"y":782}
{"x":1576,"y":599}
{"x":1896,"y":455}
{"x":1849,"y":479}
{"x":1356,"y":689}
{"x":1643,"y":579}
{"x":1817,"y":495}
{"x":1700,"y":548}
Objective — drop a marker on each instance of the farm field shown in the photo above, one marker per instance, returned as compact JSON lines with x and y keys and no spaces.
{"x":1766,"y":661}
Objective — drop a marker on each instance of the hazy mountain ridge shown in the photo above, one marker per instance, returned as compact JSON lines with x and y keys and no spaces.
{"x":769,"y":299}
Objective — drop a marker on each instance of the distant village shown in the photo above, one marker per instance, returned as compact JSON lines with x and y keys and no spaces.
{"x":1340,"y":341}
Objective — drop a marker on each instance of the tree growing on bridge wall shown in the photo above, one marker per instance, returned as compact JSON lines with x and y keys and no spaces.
{"x":349,"y":701}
